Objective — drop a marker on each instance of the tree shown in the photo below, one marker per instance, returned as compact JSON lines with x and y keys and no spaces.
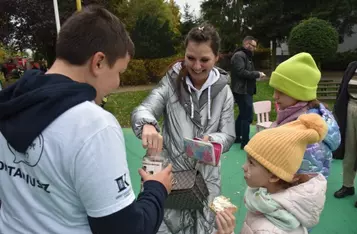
{"x":22,"y":26}
{"x":272,"y":20}
{"x":342,"y":14}
{"x":166,"y":14}
{"x":129,"y":12}
{"x":152,"y":39}
{"x":3,"y":53}
{"x":177,"y":38}
{"x":188,"y":20}
{"x":225,"y":15}
{"x":176,"y":16}
{"x":315,"y":36}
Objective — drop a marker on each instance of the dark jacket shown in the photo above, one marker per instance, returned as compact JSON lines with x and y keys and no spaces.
{"x":36,"y":100}
{"x":242,"y":72}
{"x":340,"y":108}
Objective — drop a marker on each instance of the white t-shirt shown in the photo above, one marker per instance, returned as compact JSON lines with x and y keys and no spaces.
{"x":76,"y":167}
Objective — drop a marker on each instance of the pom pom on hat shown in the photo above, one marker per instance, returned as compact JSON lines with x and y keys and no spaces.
{"x":281,"y":150}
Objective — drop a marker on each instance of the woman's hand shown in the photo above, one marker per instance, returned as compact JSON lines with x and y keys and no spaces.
{"x":226,"y":222}
{"x":151,"y":139}
{"x":205,"y":138}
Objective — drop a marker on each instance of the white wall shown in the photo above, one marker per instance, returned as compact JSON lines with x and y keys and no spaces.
{"x":282,"y":49}
{"x":350,"y":42}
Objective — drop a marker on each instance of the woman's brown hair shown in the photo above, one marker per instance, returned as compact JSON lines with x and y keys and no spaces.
{"x":200,"y":34}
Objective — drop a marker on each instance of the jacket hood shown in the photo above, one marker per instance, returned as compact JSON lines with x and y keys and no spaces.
{"x":194,"y":103}
{"x":333,"y":137}
{"x":305,"y":201}
{"x":247,"y":52}
{"x":34,"y":102}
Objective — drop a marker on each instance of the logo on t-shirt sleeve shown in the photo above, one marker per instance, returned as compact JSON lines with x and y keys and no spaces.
{"x":122,"y":183}
{"x":123,"y":186}
{"x":32,"y":155}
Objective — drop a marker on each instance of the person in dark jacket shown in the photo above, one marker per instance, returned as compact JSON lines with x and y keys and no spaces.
{"x":63,"y":165}
{"x":345,"y":110}
{"x":243,"y":86}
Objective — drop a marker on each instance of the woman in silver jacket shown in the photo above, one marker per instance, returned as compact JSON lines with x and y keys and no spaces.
{"x":196,"y":101}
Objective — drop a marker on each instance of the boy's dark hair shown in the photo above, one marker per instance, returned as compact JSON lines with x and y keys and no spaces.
{"x":92,"y":30}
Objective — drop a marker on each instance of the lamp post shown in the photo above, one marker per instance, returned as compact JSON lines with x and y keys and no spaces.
{"x":79,"y":5}
{"x":55,"y":7}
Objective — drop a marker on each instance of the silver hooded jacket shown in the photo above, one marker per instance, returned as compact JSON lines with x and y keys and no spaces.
{"x":187,"y":116}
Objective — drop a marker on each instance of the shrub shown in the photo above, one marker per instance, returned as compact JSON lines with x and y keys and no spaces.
{"x":224,"y":61}
{"x":315,"y":36}
{"x":261,"y":58}
{"x":135,"y":74}
{"x":339,"y":61}
{"x":156,"y":68}
{"x":152,"y":38}
{"x":142,"y":72}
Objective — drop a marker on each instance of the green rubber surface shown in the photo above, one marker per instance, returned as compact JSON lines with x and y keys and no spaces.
{"x":338,"y":215}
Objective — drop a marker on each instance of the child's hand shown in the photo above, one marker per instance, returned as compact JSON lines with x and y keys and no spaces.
{"x":226,"y":222}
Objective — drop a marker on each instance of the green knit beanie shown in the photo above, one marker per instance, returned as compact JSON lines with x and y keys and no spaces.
{"x":297,"y":77}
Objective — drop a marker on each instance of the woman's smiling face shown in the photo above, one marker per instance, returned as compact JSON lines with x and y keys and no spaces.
{"x":199,"y":60}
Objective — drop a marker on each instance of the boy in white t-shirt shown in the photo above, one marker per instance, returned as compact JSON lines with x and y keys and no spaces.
{"x":63,"y":166}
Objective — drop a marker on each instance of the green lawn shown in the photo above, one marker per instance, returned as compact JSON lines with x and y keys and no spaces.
{"x":122,"y":104}
{"x":6,"y":83}
{"x":2,"y":80}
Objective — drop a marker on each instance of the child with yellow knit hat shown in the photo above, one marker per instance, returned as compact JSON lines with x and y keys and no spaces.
{"x":295,"y":84}
{"x":279,"y":201}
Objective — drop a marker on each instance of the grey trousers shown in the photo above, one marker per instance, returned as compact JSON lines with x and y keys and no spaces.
{"x":350,"y":156}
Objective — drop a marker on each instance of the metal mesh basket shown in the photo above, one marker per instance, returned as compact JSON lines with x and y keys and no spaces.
{"x":189,"y":192}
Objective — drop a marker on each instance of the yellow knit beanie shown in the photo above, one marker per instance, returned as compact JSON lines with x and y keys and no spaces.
{"x":281,"y":150}
{"x":297,"y":77}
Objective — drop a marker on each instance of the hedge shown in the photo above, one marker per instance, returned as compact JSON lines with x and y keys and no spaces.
{"x":142,"y":72}
{"x":339,"y":61}
{"x":261,"y":59}
{"x":135,"y":74}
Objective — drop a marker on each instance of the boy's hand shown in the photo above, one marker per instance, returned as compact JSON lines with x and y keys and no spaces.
{"x":165,"y":177}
